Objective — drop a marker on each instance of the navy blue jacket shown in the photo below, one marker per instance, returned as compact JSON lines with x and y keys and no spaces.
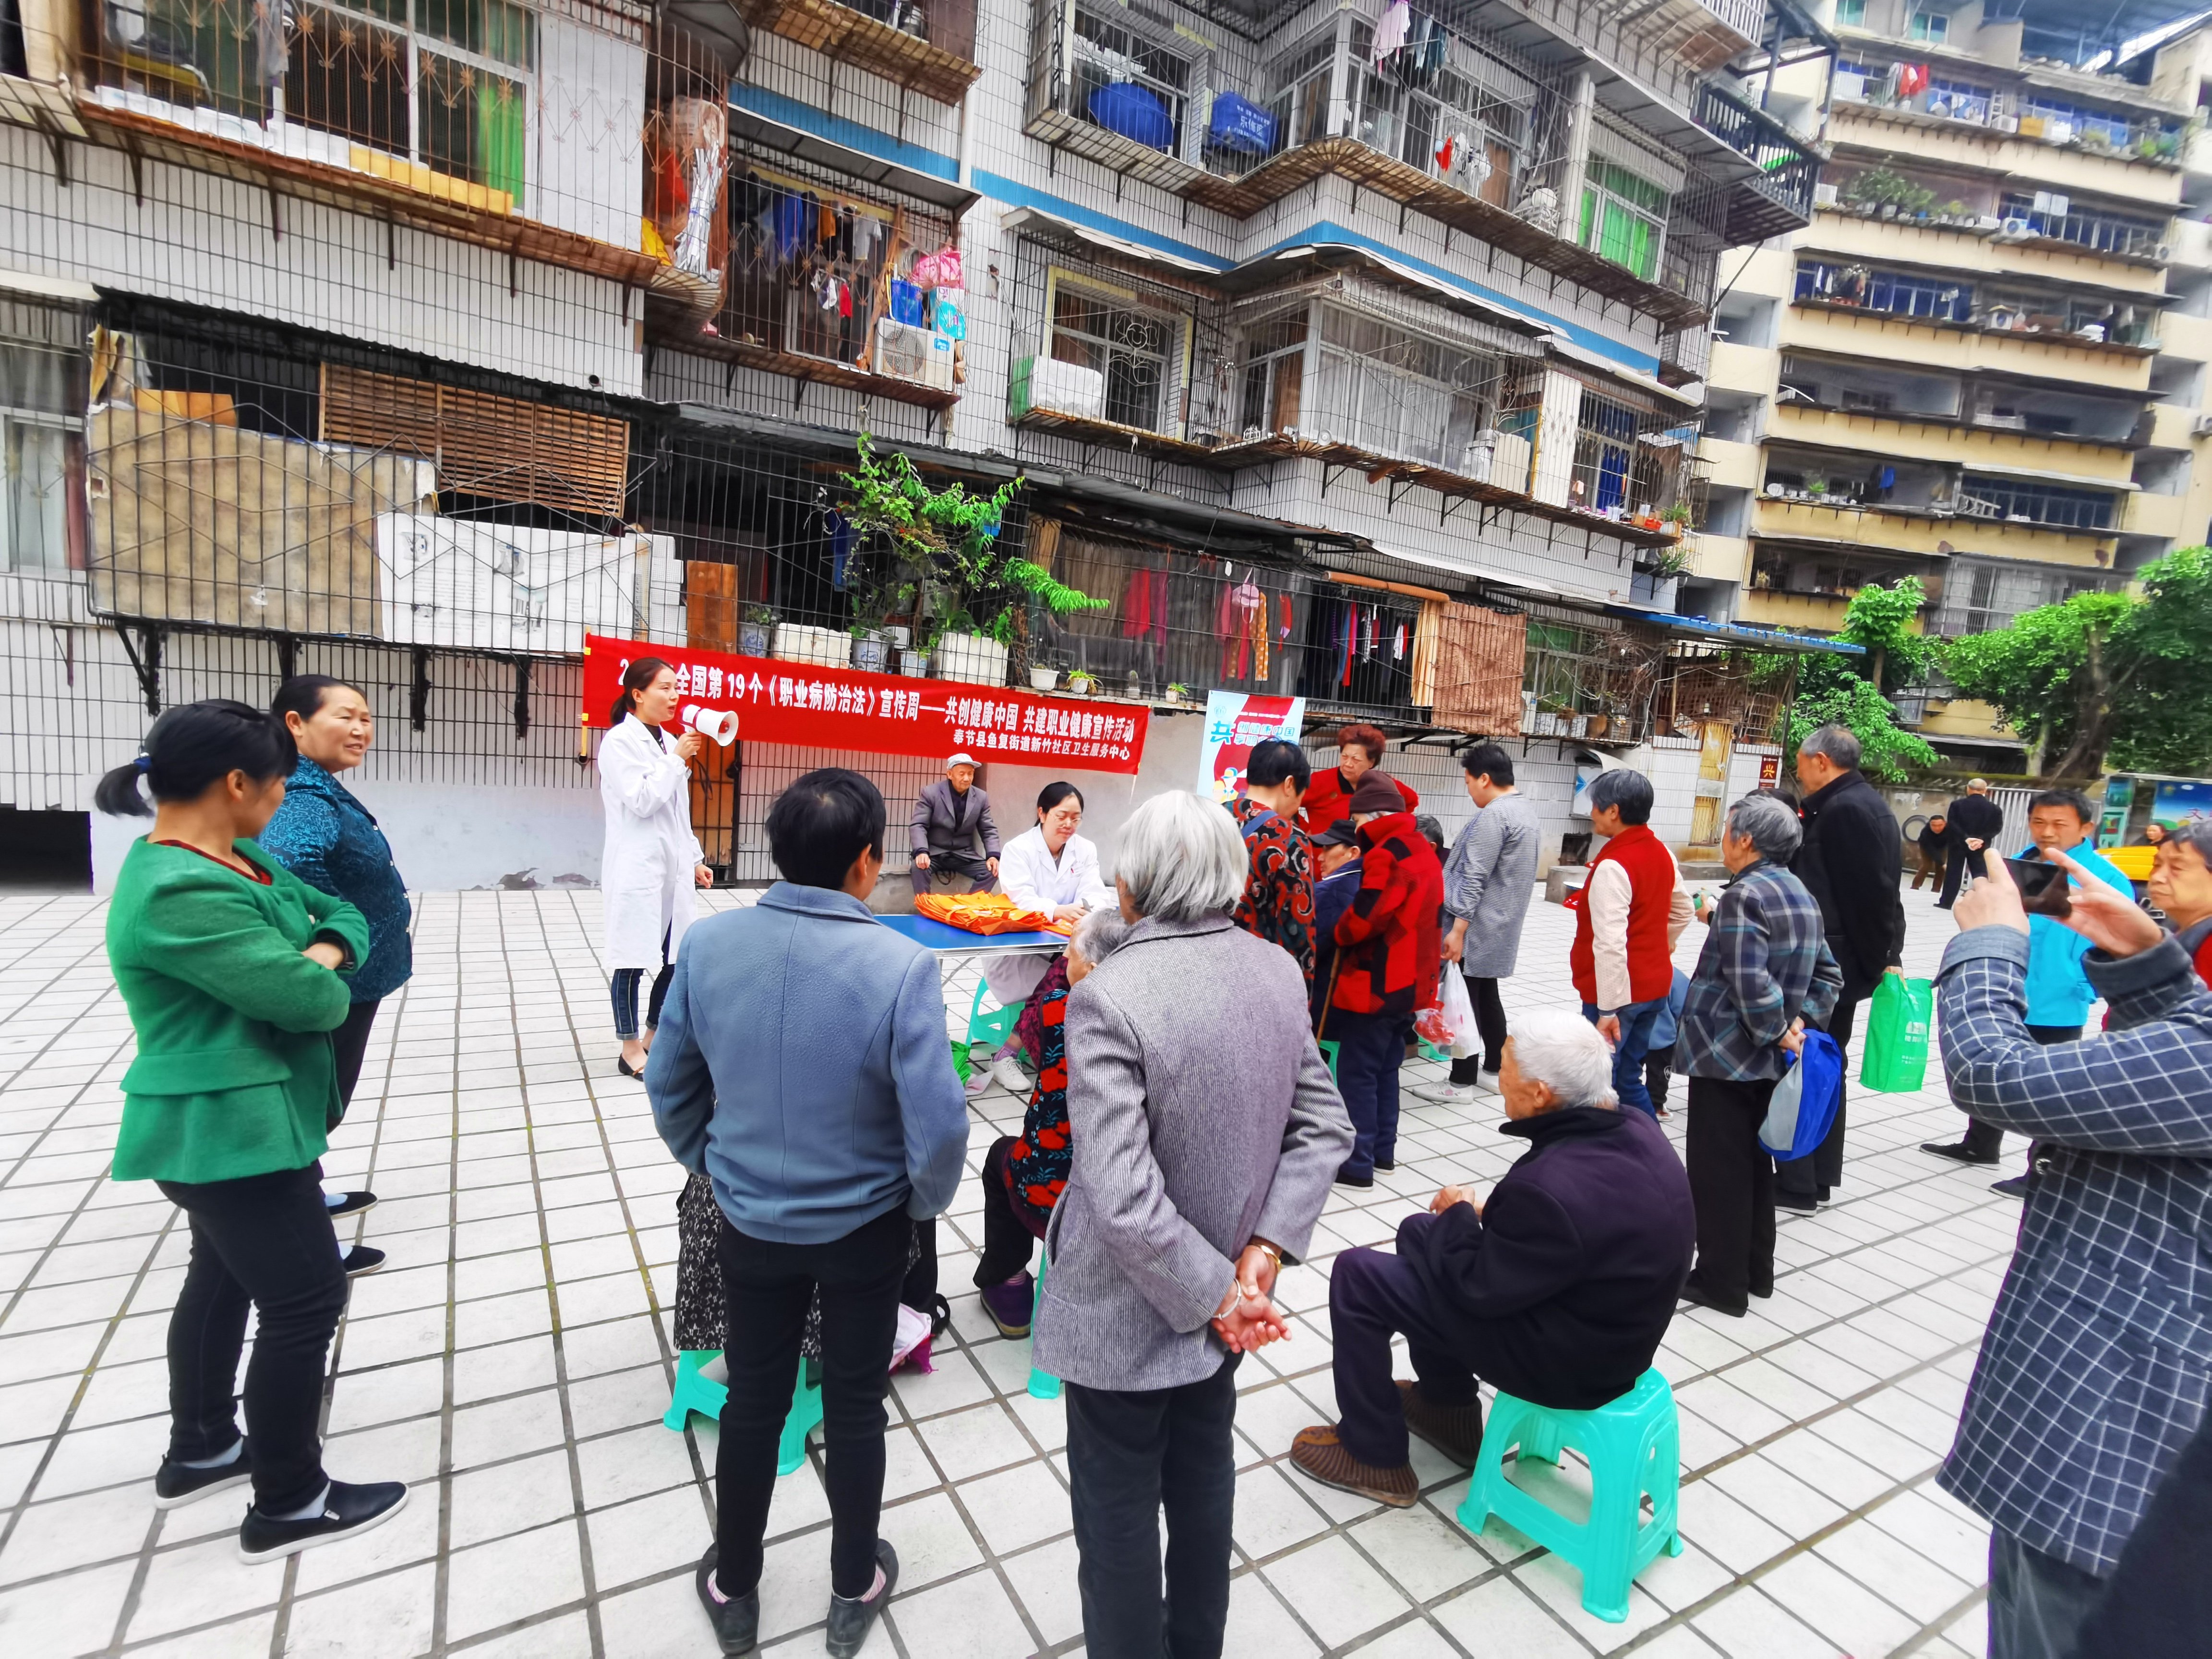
{"x":327,"y":838}
{"x":802,"y":1065}
{"x":1566,"y":1281}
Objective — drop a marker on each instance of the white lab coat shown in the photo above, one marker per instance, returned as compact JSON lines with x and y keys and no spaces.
{"x":647,"y":869}
{"x":1031,"y":877}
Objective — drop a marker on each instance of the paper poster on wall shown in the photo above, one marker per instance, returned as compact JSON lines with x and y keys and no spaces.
{"x":764,"y":701}
{"x":1234,"y":723}
{"x":2181,"y":801}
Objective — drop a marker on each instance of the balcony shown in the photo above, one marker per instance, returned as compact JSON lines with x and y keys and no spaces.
{"x":1729,"y":466}
{"x":1778,"y":197}
{"x":1134,"y":96}
{"x":1924,"y":531}
{"x":935,"y":63}
{"x":2155,"y":515}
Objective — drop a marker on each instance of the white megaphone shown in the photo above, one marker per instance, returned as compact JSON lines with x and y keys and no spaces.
{"x":719,"y":724}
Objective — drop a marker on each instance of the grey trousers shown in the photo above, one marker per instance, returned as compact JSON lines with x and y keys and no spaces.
{"x":2037,"y":1602}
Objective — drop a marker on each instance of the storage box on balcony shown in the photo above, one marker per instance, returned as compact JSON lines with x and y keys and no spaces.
{"x":1064,"y":388}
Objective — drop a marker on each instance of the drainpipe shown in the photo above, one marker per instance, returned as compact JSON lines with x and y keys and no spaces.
{"x":1582,"y":99}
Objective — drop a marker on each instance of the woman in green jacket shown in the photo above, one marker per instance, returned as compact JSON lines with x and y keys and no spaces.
{"x":234,"y":973}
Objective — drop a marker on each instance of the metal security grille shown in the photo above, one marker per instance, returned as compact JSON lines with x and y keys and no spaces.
{"x":731,"y":810}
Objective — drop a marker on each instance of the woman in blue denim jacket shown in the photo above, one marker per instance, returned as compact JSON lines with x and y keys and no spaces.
{"x":327,"y":838}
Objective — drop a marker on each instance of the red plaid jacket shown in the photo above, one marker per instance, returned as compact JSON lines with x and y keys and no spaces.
{"x":1389,"y":948}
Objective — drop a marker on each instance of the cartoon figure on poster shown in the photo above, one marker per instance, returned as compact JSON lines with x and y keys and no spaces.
{"x":2180,"y":802}
{"x":1234,"y":724}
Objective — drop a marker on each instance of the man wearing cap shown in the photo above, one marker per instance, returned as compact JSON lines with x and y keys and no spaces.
{"x":948,"y":816}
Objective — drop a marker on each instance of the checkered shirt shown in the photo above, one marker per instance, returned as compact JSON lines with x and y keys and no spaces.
{"x":1765,"y":961}
{"x":2094,"y":1374}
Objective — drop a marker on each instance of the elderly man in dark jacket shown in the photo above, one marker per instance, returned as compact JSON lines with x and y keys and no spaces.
{"x":1852,"y":861}
{"x":2094,"y":1374}
{"x":1974,"y":817}
{"x":948,"y":816}
{"x":1558,"y":1288}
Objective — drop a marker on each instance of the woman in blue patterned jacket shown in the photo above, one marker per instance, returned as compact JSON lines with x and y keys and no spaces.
{"x":328,"y":839}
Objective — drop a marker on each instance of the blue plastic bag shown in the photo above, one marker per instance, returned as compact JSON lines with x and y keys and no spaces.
{"x":906,"y":302}
{"x":1803,"y":1103}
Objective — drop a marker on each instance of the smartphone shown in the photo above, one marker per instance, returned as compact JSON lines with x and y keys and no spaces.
{"x":2042,"y":886}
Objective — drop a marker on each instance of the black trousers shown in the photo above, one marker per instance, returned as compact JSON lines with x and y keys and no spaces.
{"x":1961,"y":867}
{"x":263,"y":1241}
{"x":1812,"y":1176}
{"x":1986,"y":1141}
{"x":1372,"y":1295}
{"x":766,"y":1287}
{"x":970,"y":865}
{"x":1732,"y":1185}
{"x":1371,"y":1047}
{"x":1009,"y":1232}
{"x":1130,"y":1455}
{"x":1490,"y":1020}
{"x":350,"y":1047}
{"x":1658,"y":1074}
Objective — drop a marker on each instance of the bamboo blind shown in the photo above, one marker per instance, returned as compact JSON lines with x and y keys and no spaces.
{"x":483,"y":445}
{"x":1479,"y":661}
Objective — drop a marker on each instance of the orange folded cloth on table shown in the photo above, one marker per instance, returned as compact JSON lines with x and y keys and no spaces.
{"x":988,"y":913}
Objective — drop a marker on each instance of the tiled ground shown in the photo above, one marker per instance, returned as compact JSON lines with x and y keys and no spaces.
{"x":510,"y":1362}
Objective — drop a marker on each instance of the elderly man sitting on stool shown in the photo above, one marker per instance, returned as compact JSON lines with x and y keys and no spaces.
{"x":1558,"y":1288}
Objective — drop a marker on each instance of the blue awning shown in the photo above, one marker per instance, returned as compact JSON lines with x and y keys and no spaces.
{"x":1743,"y":634}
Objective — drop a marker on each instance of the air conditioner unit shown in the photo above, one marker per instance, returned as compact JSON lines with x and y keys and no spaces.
{"x":1824,"y":196}
{"x":2004,"y":123}
{"x":2201,"y":427}
{"x":2016,"y":230}
{"x":909,"y":352}
{"x":2163,"y":252}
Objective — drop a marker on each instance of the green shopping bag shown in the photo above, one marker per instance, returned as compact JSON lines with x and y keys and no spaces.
{"x":1896,"y":1058}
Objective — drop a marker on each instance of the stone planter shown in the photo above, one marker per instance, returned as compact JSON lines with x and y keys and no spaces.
{"x":819,"y":647}
{"x":971,"y":659}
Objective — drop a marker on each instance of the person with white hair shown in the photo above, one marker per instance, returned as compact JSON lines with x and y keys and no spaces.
{"x":1206,"y":1131}
{"x":1557,"y":1288}
{"x":1765,"y":971}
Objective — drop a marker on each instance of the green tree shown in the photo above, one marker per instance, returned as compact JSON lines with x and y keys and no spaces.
{"x":1851,"y":691}
{"x":2105,"y":676}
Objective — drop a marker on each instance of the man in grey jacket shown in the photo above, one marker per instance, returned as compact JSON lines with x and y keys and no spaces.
{"x":802,"y":1065}
{"x":1206,"y":1131}
{"x":948,"y":816}
{"x":1488,"y":880}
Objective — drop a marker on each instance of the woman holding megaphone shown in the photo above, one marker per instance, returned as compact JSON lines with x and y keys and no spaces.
{"x":652,"y":859}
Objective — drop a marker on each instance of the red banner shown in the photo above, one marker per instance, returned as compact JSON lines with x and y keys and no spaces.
{"x":876,"y":713}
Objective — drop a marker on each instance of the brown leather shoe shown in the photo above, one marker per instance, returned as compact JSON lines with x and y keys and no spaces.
{"x":1321,"y":1456}
{"x":1454,"y":1431}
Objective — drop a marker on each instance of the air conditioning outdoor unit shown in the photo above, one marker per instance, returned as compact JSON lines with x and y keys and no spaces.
{"x":2201,"y":427}
{"x":2004,"y":123}
{"x":1824,"y":196}
{"x":909,"y":352}
{"x":2163,"y":252}
{"x":2016,"y":230}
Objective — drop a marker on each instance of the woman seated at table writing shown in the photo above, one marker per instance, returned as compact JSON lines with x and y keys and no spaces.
{"x":1022,"y":1175}
{"x":1047,"y":868}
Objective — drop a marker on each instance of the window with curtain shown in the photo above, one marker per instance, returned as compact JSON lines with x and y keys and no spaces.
{"x":1933,"y":27}
{"x":1623,"y":217}
{"x":42,"y":397}
{"x":446,"y":83}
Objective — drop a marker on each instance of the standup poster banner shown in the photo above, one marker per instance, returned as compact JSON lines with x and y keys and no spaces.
{"x":1234,"y":723}
{"x":875,"y":714}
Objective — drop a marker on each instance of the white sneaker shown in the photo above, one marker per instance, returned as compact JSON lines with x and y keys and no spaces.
{"x":1445,"y":1094}
{"x":1485,"y":1083}
{"x":1007,"y":1074}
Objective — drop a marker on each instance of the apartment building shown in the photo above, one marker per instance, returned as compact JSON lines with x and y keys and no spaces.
{"x":1983,"y":362}
{"x":412,"y":340}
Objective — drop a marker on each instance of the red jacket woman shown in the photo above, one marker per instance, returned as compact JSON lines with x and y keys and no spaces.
{"x":1359,"y":752}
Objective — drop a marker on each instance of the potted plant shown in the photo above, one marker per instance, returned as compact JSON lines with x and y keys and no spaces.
{"x":1177,"y":692}
{"x":1677,"y":519}
{"x":1080,"y":684}
{"x":976,"y":593}
{"x":753,"y":631}
{"x":872,"y":648}
{"x":1043,"y":678}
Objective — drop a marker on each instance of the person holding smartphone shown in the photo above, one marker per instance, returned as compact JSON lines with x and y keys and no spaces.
{"x":2059,"y":994}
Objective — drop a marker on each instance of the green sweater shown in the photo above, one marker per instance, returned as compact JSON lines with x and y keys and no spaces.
{"x":233,"y":1075}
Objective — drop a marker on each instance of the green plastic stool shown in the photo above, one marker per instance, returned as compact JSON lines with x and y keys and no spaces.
{"x":1634,"y":1448}
{"x":697,"y":1392}
{"x":1043,"y":1385}
{"x":994,"y":1027}
{"x":960,"y":1062}
{"x":1328,"y":1047}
